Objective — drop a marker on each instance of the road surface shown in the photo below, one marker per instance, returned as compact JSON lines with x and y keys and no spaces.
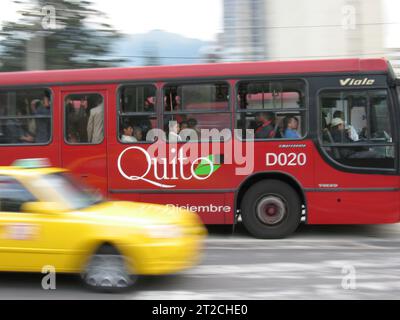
{"x":317,"y":262}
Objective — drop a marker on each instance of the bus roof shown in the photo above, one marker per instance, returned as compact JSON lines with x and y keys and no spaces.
{"x":108,"y":75}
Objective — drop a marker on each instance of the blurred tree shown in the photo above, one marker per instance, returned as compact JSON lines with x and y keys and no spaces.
{"x":57,"y":34}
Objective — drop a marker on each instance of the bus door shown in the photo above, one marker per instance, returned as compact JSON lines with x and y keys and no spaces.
{"x":84,"y":145}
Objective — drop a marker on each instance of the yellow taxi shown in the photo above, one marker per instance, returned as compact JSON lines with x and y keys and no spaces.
{"x":48,"y":219}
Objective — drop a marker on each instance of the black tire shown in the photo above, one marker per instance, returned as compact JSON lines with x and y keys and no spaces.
{"x":106,"y":272}
{"x":271,"y":209}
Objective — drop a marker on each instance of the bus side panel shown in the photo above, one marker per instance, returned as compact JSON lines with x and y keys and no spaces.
{"x":230,"y":202}
{"x":352,"y":207}
{"x":211,"y":208}
{"x":348,"y":198}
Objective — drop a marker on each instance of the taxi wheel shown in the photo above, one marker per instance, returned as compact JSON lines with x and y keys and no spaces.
{"x":271,"y":209}
{"x":106,"y":271}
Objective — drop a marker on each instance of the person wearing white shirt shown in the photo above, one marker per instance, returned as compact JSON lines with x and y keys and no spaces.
{"x":127,"y":135}
{"x":128,"y":139}
{"x":352,"y":133}
{"x":95,"y":126}
{"x":173,"y":135}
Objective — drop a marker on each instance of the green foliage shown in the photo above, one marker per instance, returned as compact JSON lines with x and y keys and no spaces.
{"x":81,"y":39}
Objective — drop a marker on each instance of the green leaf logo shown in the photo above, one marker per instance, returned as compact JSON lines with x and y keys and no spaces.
{"x":204,"y":167}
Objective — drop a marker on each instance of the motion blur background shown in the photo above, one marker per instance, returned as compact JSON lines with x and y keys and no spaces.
{"x":63,"y":34}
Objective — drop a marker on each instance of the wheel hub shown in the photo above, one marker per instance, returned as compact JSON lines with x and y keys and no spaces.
{"x":107,"y":271}
{"x":271,"y":210}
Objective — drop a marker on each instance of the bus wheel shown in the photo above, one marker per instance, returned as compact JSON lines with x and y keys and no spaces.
{"x":271,"y":209}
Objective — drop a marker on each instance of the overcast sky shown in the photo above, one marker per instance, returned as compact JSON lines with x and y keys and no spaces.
{"x":201,"y":19}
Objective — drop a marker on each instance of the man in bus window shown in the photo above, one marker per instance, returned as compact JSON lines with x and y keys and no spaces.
{"x":17,"y":129}
{"x":149,"y":104}
{"x":192,"y":124}
{"x":95,"y":127}
{"x":341,"y":135}
{"x":173,"y":132}
{"x":265,"y":125}
{"x":43,"y":124}
{"x":138,"y":133}
{"x":127,"y":133}
{"x":290,"y":125}
{"x":353,"y":135}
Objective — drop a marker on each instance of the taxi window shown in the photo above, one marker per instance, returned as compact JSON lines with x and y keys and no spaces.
{"x":73,"y":193}
{"x":13,"y":195}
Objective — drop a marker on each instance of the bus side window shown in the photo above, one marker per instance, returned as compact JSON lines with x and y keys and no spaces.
{"x":137,"y":113}
{"x":84,"y":118}
{"x":25,"y":116}
{"x":357,"y":130}
{"x":271,"y":109}
{"x":195,"y":112}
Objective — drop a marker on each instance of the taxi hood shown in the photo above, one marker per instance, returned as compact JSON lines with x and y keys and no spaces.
{"x":138,"y":212}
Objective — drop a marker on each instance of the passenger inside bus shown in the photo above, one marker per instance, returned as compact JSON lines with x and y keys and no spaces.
{"x":340,"y":134}
{"x":43,"y":124}
{"x":265,"y":125}
{"x":16,"y":129}
{"x":149,"y":104}
{"x":76,"y":113}
{"x":184,"y":125}
{"x":26,"y":118}
{"x":95,"y":126}
{"x":290,"y":126}
{"x":138,"y":133}
{"x":173,"y":129}
{"x":192,"y":124}
{"x":353,"y":135}
{"x":127,"y":133}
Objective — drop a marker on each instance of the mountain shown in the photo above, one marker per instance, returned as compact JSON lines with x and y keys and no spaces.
{"x":158,"y":47}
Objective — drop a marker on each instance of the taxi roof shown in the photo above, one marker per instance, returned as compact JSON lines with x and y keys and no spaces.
{"x":16,"y":171}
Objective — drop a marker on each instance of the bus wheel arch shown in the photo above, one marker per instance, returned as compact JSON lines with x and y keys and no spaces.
{"x":288,"y":190}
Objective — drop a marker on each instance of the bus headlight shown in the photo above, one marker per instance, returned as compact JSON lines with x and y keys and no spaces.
{"x":164,"y":231}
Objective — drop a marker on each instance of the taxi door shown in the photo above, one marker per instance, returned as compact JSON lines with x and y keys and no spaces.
{"x":32,"y":241}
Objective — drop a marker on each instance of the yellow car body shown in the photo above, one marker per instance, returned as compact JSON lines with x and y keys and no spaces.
{"x":153,"y":239}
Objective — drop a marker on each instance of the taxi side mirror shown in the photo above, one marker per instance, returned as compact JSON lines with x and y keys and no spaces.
{"x":42,"y":207}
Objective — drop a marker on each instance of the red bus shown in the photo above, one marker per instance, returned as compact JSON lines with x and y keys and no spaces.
{"x":325,"y":147}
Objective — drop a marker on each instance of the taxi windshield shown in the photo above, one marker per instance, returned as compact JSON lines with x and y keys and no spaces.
{"x":74,"y":194}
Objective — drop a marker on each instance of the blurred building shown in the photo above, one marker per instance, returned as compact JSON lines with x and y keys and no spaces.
{"x":307,"y":29}
{"x":244,"y":30}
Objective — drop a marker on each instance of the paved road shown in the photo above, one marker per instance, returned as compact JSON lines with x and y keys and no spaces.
{"x":309,"y":265}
